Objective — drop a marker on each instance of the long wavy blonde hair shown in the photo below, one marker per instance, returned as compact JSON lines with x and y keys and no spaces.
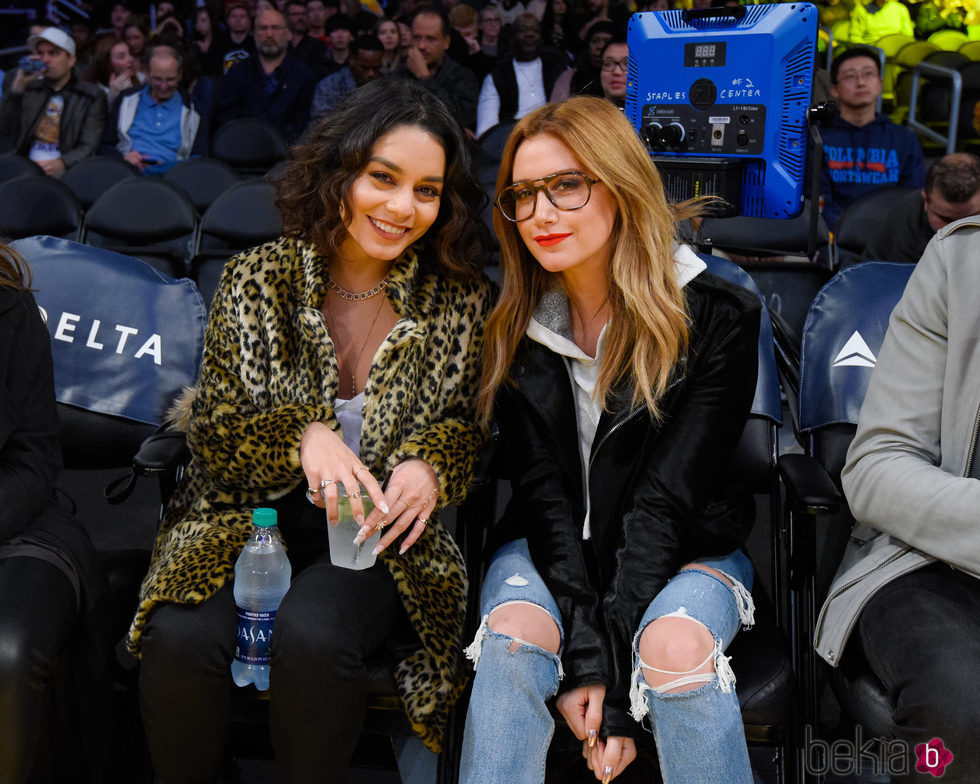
{"x":648,"y":330}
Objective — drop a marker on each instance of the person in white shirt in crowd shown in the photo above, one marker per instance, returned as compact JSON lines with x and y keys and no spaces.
{"x":519,"y":85}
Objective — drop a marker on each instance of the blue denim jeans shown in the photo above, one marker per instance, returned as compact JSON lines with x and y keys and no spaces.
{"x":698,"y":733}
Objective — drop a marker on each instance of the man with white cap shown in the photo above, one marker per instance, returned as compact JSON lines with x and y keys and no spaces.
{"x":55,"y":118}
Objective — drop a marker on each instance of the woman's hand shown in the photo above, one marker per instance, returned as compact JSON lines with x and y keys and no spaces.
{"x":120,"y":82}
{"x":327,"y":462}
{"x":582,"y":710}
{"x":607,"y":759}
{"x":412,"y":496}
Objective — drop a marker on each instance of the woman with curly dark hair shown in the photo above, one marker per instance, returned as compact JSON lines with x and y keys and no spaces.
{"x":344,"y":353}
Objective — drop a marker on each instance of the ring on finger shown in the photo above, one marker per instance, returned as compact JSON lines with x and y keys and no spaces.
{"x":423,"y":521}
{"x":325,"y":483}
{"x":362,"y":468}
{"x":309,"y":496}
{"x":379,"y":527}
{"x":355,"y":494}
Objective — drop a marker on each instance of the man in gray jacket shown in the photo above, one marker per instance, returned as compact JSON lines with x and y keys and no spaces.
{"x":909,"y":584}
{"x":55,"y":118}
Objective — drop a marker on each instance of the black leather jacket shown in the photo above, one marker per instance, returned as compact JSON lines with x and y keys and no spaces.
{"x":658,"y":490}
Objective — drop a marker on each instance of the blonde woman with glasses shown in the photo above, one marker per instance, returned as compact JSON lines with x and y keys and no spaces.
{"x":620,"y":374}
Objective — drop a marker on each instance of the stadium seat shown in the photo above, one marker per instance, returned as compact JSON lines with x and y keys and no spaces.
{"x":764,"y":236}
{"x":243,"y":216}
{"x":948,"y":40}
{"x":252,"y":146}
{"x":147,"y":218}
{"x":841,"y":340}
{"x":204,"y":179}
{"x":971,"y":50}
{"x":13,"y":166}
{"x":855,"y":225}
{"x":32,"y":205}
{"x":90,"y":178}
{"x":111,"y":318}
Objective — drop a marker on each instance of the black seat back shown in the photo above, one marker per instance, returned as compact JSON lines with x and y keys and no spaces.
{"x":203,"y":179}
{"x":13,"y":166}
{"x":92,"y":177}
{"x":250,"y":145}
{"x":31,"y":205}
{"x":147,"y":218}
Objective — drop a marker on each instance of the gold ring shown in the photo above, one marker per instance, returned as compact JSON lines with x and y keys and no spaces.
{"x":312,"y":490}
{"x":355,"y":494}
{"x":379,"y":528}
{"x":424,"y":521}
{"x":362,"y":468}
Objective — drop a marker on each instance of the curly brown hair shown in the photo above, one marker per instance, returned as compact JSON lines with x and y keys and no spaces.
{"x":312,"y":192}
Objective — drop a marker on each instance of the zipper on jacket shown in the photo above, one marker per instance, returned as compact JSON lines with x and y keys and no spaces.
{"x":973,"y":444}
{"x":632,"y":415}
{"x":850,"y":584}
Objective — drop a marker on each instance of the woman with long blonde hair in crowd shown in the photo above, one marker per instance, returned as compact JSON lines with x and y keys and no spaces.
{"x":620,"y":374}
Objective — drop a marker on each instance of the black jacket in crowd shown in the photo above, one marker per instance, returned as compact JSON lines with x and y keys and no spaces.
{"x":658,"y":490}
{"x":82,"y":120}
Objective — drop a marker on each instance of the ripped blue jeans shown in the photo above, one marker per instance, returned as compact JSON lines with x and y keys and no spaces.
{"x":698,"y":732}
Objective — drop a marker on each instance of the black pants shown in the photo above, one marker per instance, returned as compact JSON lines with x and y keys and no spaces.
{"x":921,"y":636}
{"x":331,"y":620}
{"x":37,"y":614}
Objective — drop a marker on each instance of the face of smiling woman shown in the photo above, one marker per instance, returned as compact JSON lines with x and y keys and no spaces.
{"x":395,"y":199}
{"x":564,"y":241}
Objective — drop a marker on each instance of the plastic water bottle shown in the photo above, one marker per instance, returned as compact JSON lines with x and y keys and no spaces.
{"x":262,"y":575}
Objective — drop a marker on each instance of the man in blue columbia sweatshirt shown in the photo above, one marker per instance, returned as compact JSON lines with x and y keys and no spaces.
{"x":863,"y":150}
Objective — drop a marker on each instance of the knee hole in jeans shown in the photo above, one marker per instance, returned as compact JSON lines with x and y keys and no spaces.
{"x":526,"y":623}
{"x":708,"y":570}
{"x":676,"y":645}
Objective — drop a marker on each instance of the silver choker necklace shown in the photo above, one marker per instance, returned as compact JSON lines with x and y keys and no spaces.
{"x":359,"y":296}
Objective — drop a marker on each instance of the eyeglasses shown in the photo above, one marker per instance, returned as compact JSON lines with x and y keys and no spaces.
{"x":612,"y":65}
{"x":867,"y":75}
{"x":568,"y":190}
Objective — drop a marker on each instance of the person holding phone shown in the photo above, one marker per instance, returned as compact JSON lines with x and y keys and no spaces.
{"x":620,"y":374}
{"x":156,"y":125}
{"x":55,"y":118}
{"x":346,"y":352}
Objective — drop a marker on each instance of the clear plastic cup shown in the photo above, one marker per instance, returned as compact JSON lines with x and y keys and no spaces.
{"x":343,"y":551}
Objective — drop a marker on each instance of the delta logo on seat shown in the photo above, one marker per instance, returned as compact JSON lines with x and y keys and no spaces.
{"x":855,"y":353}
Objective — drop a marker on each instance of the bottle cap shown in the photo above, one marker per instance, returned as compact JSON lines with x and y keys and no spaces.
{"x":264,"y":518}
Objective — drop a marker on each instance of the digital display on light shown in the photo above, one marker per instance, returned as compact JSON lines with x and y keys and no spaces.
{"x":704,"y":55}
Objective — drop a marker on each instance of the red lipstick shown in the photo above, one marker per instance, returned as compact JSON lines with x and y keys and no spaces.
{"x":550,"y":239}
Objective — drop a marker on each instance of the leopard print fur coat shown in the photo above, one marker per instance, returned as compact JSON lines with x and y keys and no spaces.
{"x":269,"y":369}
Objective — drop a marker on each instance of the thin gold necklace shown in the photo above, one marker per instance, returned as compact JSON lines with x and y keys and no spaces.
{"x":358,"y":296}
{"x":367,"y":336}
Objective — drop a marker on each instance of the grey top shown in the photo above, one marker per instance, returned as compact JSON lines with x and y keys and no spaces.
{"x":905,"y":476}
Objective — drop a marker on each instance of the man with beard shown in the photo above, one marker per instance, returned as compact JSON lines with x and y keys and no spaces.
{"x":274,"y":86}
{"x":521,"y":84}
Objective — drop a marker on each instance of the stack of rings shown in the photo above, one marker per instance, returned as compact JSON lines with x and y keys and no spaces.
{"x":312,"y":491}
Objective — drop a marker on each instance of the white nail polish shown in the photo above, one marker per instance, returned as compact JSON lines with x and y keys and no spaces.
{"x":384,"y":508}
{"x":377,"y":550}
